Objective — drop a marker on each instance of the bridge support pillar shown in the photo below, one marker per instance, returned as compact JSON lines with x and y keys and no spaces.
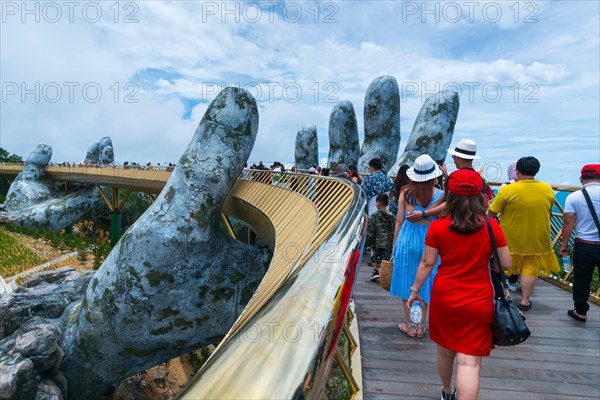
{"x":115,"y":205}
{"x":115,"y":227}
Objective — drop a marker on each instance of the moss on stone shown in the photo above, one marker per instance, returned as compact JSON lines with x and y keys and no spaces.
{"x":201,"y":320}
{"x":162,"y":330}
{"x":202,"y":291}
{"x":167,"y":312}
{"x":132,"y":351}
{"x":183,"y":323}
{"x":222,"y":293}
{"x":108,"y":303}
{"x":147,"y":264}
{"x":236,"y":277}
{"x":170,"y":194}
{"x":134,"y":276}
{"x":155,"y":278}
{"x":247,"y":292}
{"x":128,"y":321}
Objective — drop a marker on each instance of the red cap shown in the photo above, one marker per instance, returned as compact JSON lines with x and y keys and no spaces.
{"x":465,"y":182}
{"x":591,"y":169}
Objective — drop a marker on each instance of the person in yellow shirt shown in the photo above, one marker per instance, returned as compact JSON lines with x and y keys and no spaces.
{"x":525,"y":208}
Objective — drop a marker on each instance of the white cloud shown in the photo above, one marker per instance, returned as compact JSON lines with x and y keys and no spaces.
{"x":557,"y":55}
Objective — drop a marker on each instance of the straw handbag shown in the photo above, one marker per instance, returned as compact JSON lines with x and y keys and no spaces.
{"x":385,"y":275}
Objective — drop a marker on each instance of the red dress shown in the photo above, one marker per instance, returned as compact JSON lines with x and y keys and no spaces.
{"x":462,"y":298}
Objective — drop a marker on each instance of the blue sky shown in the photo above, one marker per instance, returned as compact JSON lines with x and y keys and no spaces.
{"x":143,"y":73}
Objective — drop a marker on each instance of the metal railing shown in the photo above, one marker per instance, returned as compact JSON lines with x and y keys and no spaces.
{"x":284,"y":342}
{"x":315,"y":227}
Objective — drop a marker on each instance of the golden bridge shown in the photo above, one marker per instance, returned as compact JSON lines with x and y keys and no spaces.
{"x":285,"y":341}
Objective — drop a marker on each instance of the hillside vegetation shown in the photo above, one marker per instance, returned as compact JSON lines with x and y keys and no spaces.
{"x":15,"y":256}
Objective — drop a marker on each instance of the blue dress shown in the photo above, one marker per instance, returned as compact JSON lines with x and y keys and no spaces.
{"x":408,"y":252}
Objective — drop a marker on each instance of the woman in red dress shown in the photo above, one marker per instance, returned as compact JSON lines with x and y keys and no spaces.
{"x":462,"y":298}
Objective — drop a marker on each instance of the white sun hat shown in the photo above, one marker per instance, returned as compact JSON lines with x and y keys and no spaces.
{"x":424,"y":169}
{"x":466,"y":149}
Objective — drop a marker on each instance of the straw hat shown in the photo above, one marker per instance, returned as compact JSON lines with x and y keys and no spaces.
{"x":424,"y":169}
{"x":466,"y":149}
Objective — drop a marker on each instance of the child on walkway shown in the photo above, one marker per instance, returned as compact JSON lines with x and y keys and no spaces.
{"x":380,"y":234}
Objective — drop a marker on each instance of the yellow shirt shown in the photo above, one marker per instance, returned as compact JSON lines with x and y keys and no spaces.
{"x":525,"y":207}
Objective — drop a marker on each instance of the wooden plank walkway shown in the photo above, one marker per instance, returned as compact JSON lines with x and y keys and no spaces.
{"x":561,"y":360}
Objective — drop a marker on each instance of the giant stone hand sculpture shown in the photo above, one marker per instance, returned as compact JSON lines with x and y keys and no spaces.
{"x":382,"y":123}
{"x":34,"y":202}
{"x":433,"y":129}
{"x":343,"y":135}
{"x":175,"y":282}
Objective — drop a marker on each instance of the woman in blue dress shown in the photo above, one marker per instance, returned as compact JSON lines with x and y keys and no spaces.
{"x":409,"y":238}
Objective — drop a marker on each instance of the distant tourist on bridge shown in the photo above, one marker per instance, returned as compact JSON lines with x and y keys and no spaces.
{"x":353,"y":175}
{"x":375,"y":184}
{"x":409,"y":238}
{"x":339,"y":171}
{"x":586,"y":253}
{"x":526,"y":206}
{"x":462,"y":297}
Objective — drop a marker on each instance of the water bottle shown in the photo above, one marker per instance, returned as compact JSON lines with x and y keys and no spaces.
{"x":567,"y":264}
{"x":416,"y":312}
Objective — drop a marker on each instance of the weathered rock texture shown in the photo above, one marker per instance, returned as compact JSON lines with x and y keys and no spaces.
{"x":100,"y":152}
{"x":35,"y":202}
{"x":432,"y":131}
{"x":382,"y":123}
{"x":307,"y":147}
{"x":343,"y":135}
{"x":175,"y":282}
{"x":30,"y":355}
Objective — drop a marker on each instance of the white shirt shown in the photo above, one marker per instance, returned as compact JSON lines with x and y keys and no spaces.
{"x":585,"y":228}
{"x":372,"y":203}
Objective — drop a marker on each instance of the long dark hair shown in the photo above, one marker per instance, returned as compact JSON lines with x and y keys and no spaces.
{"x":466,"y":213}
{"x":354,"y":173}
{"x":419,"y":192}
{"x":402,"y":178}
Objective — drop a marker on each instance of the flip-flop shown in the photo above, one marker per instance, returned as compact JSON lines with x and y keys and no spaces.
{"x":575,"y":316}
{"x":407,"y":328}
{"x":525,"y":308}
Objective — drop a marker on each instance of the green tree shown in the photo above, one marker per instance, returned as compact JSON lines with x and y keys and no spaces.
{"x":6,"y":157}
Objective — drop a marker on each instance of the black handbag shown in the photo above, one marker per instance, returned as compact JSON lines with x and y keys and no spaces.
{"x":509,"y":328}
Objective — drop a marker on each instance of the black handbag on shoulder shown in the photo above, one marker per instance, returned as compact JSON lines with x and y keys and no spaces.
{"x":509,"y":328}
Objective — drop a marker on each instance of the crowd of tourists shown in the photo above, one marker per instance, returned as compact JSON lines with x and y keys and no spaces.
{"x":438,"y":230}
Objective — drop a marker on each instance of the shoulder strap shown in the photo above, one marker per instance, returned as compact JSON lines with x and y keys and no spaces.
{"x":588,"y":200}
{"x":503,"y":278}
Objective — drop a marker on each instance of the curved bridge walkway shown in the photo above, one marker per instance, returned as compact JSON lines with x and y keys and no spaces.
{"x":561,"y":360}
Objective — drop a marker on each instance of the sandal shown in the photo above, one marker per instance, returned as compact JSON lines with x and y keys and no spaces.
{"x":524,"y":307}
{"x":421,"y":330}
{"x":408,"y":329}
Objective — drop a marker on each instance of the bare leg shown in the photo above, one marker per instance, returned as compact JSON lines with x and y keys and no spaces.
{"x":527,"y":286}
{"x":445,"y":366}
{"x":406,"y":310}
{"x":467,"y":376}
